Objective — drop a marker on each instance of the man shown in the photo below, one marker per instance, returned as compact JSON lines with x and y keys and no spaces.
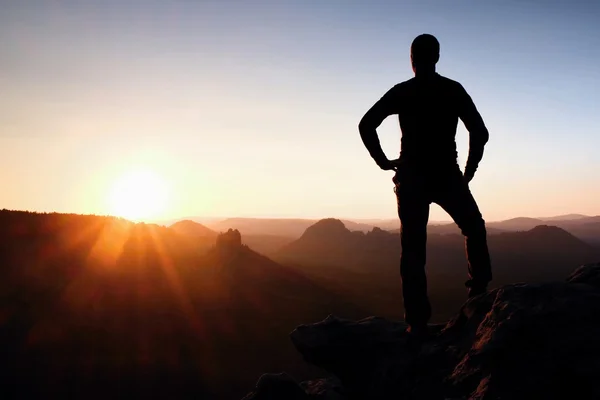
{"x":428,"y":107}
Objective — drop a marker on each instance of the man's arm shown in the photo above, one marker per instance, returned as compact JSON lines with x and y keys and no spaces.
{"x":368,"y":125}
{"x":478,"y":133}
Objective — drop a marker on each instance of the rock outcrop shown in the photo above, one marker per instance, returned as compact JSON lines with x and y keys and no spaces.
{"x":230,"y":240}
{"x":520,"y":341}
{"x":227,"y":251}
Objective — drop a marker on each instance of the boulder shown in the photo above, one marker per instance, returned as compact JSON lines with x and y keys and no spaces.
{"x":520,"y":341}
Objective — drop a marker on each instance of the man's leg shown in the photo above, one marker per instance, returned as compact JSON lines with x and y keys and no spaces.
{"x":456,"y":199}
{"x":413,"y":210}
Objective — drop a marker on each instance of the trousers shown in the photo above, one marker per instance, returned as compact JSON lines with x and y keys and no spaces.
{"x":415,"y":191}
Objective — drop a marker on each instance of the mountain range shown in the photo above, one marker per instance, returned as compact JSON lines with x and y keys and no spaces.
{"x":106,"y":306}
{"x":103,"y":305}
{"x":364,"y":265}
{"x":584,"y":227}
{"x":330,"y":252}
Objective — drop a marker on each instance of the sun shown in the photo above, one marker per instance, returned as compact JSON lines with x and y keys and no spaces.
{"x":139,"y":194}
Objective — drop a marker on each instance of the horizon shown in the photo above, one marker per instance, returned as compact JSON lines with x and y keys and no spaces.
{"x":366,"y":221}
{"x":220,"y":218}
{"x":155,"y":110}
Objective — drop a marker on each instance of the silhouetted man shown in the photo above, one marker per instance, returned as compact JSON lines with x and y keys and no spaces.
{"x":428,"y":107}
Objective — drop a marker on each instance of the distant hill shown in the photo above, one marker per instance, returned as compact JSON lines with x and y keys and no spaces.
{"x":195,"y":234}
{"x":283,"y":227}
{"x":294,"y":227}
{"x":288,"y":228}
{"x":191,"y":228}
{"x":587,"y":228}
{"x":387,"y":224}
{"x":583,"y":227}
{"x":565,"y":217}
{"x":105,"y":306}
{"x":330,"y":240}
{"x":581,"y":221}
{"x":265,"y":226}
{"x":255,"y":278}
{"x":516,"y":224}
{"x":329,"y":252}
{"x":206,"y":237}
{"x":589,"y":231}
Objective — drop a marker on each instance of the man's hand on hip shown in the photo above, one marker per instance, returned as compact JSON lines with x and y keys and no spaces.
{"x":390,"y":165}
{"x":468,"y":178}
{"x":386,"y":165}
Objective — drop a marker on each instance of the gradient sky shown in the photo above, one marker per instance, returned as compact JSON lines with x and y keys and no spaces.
{"x":252,"y":109}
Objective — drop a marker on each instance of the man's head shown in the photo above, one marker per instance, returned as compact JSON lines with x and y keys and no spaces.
{"x":424,"y":53}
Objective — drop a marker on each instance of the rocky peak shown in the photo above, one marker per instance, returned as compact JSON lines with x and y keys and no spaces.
{"x":327,"y":227}
{"x":520,"y":341}
{"x":378,"y":233}
{"x":230,"y":240}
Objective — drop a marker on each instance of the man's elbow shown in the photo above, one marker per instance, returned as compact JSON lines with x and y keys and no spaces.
{"x":365,"y":125}
{"x":481,"y":135}
{"x":485,"y":135}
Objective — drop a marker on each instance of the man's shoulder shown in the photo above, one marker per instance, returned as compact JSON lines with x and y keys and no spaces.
{"x":402,"y":86}
{"x":412,"y":84}
{"x":406,"y":83}
{"x":450,"y":83}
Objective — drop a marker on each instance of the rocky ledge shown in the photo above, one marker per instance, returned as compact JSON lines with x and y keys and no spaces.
{"x":520,"y":341}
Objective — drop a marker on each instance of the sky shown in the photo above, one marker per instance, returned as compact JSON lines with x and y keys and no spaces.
{"x":250,"y":109}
